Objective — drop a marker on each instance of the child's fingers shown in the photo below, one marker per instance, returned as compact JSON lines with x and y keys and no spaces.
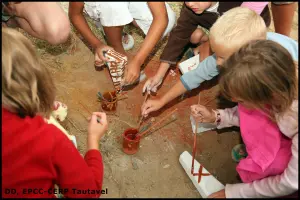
{"x":149,"y":109}
{"x":154,"y":89}
{"x":199,"y":108}
{"x":146,"y":85}
{"x":102,"y":57}
{"x":145,"y":106}
{"x":93,"y":119}
{"x":102,"y":116}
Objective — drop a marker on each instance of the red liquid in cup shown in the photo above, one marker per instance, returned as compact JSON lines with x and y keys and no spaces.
{"x":131,"y":142}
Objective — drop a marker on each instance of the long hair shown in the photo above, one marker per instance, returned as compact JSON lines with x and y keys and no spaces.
{"x":263,"y":74}
{"x":27,"y":86}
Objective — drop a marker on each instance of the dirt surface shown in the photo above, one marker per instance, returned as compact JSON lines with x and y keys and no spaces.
{"x":155,"y":170}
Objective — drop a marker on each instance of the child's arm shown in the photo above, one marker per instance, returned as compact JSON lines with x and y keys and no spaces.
{"x":222,"y":118}
{"x":71,"y":171}
{"x":157,"y":28}
{"x":273,"y":186}
{"x":178,"y":39}
{"x":206,"y":70}
{"x":154,"y":105}
{"x":81,"y":25}
{"x":258,"y":7}
{"x":75,"y":172}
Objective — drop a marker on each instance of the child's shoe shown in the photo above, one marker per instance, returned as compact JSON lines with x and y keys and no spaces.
{"x":239,"y":152}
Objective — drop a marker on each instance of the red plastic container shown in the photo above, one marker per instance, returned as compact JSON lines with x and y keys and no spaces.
{"x":131,"y":142}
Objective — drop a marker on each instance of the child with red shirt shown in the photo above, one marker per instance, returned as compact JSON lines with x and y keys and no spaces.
{"x":37,"y":155}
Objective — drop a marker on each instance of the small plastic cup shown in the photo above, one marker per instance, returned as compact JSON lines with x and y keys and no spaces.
{"x":131,"y":142}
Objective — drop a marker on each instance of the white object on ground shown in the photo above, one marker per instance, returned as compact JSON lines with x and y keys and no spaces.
{"x":142,"y":76}
{"x":208,"y":184}
{"x":202,"y":127}
{"x":73,"y":139}
{"x":130,"y":43}
{"x":189,"y":64}
{"x":53,"y":121}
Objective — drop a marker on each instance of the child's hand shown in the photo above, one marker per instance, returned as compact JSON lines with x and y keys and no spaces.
{"x":99,"y":54}
{"x":202,"y":114}
{"x":97,"y":129}
{"x":218,"y":195}
{"x":132,"y":73}
{"x":150,"y":106}
{"x":152,"y":84}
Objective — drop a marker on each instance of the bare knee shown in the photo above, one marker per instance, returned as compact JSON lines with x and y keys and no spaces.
{"x":58,"y":32}
{"x":197,"y":36}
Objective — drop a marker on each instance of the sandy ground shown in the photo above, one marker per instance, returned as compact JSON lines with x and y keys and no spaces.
{"x":155,"y":170}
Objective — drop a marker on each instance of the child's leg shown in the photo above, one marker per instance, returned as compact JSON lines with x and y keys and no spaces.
{"x":198,"y":37}
{"x":113,"y":17}
{"x":283,"y":13}
{"x":43,"y":20}
{"x":114,"y":38}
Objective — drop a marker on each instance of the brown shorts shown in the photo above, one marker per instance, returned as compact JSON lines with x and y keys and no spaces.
{"x":188,"y":22}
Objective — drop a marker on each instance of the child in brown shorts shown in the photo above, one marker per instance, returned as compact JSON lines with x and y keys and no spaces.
{"x":193,"y":14}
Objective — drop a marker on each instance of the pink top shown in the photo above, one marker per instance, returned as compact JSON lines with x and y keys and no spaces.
{"x":256,"y":6}
{"x":269,"y":151}
{"x":272,"y":186}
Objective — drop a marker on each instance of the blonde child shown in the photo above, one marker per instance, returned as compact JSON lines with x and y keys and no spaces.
{"x":36,"y":154}
{"x":232,"y":30}
{"x":194,"y":14}
{"x":262,"y":78}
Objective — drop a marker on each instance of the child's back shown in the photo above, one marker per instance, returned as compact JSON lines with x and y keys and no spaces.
{"x":269,"y":151}
{"x":37,"y":155}
{"x":33,"y":151}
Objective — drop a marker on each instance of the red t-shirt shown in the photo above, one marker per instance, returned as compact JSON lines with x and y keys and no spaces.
{"x":37,"y":155}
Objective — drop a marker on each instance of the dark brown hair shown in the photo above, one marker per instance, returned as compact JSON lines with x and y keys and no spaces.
{"x":261,"y":73}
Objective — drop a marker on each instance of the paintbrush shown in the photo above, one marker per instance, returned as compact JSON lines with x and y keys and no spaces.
{"x":88,"y":110}
{"x":157,"y":123}
{"x":140,"y":122}
{"x":174,"y":118}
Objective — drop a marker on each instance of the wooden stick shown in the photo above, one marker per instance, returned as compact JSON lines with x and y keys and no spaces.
{"x":165,"y":124}
{"x":140,"y":122}
{"x":194,"y":149}
{"x":88,"y":111}
{"x":199,"y":98}
{"x":86,"y":108}
{"x":73,"y":125}
{"x":157,"y":123}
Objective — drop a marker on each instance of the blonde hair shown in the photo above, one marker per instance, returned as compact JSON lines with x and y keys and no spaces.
{"x":262,"y":73}
{"x":237,"y":27}
{"x":27,"y":87}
